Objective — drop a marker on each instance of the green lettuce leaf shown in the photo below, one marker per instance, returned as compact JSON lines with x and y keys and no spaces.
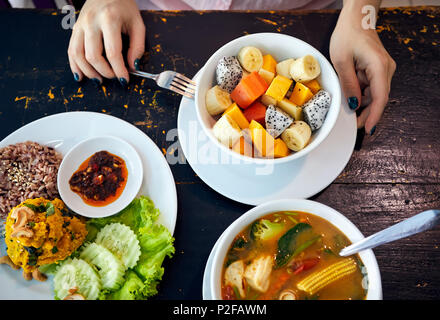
{"x":140,"y":213}
{"x":130,"y":290}
{"x":156,"y":244}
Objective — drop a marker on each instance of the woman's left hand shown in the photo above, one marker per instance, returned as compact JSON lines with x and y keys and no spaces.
{"x":364,"y":66}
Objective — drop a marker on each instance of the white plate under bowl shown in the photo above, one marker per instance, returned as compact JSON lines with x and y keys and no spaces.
{"x":254,"y":184}
{"x":84,"y":150}
{"x":63,"y":131}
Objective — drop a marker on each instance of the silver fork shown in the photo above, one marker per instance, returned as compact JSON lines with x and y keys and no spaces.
{"x":171,"y":80}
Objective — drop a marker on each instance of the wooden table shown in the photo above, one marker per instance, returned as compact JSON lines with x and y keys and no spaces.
{"x":391,"y":176}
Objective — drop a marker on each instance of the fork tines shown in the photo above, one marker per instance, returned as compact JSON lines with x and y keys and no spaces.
{"x":183,"y":85}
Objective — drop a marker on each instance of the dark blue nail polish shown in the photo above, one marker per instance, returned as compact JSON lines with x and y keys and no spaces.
{"x":96,"y":81}
{"x":136,"y":64}
{"x":372,"y":130}
{"x":123,"y":82}
{"x":76,"y":76}
{"x":353,"y":103}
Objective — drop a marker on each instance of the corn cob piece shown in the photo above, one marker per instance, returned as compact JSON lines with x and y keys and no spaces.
{"x":318,"y":280}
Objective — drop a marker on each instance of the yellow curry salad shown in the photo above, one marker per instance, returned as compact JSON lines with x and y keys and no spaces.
{"x":40,"y":231}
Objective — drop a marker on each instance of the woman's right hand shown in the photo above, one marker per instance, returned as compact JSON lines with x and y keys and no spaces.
{"x":99,"y":29}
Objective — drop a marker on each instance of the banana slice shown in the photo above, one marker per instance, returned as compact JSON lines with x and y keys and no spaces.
{"x":305,"y":69}
{"x":227,"y":131}
{"x":217,"y":100}
{"x":297,"y":136}
{"x":250,"y":58}
{"x":283,"y":68}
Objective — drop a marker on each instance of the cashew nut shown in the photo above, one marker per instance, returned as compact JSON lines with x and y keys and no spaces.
{"x":37,"y":275}
{"x":23,"y":211}
{"x":73,"y":295}
{"x":22,"y":215}
{"x":27,"y":275}
{"x":8,"y":261}
{"x":73,"y":290}
{"x":22,"y":232}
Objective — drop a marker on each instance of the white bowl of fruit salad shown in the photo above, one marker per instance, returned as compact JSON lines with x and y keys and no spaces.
{"x":267,"y":97}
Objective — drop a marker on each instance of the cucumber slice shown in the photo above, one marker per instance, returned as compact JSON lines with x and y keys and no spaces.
{"x":110,"y":268}
{"x":121,"y":241}
{"x":77,"y":273}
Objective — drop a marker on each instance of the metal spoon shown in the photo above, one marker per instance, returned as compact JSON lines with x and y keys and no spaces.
{"x":418,"y":223}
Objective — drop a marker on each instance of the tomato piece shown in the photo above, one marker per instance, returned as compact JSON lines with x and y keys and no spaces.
{"x":310,"y":263}
{"x":228,"y":293}
{"x":303,"y":265}
{"x":299,"y":269}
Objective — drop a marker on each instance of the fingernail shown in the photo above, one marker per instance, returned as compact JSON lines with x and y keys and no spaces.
{"x":353,"y":103}
{"x":76,"y":76}
{"x":372,"y":130}
{"x":123,"y":82}
{"x":136,"y":64}
{"x":96,"y":81}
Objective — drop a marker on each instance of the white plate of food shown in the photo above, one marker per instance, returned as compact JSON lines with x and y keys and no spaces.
{"x":254,"y":184}
{"x":50,"y":138}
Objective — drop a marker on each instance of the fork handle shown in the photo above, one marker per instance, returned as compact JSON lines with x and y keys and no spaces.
{"x":145,"y":74}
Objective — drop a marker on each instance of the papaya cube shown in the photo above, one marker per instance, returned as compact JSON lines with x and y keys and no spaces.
{"x":249,"y":89}
{"x":292,"y":109}
{"x":269,"y":63}
{"x":313,"y":85}
{"x":279,"y":87}
{"x":280,"y":149}
{"x":243,"y":147}
{"x":301,"y":94}
{"x":257,"y":112}
{"x":262,"y":140}
{"x":235,"y":113}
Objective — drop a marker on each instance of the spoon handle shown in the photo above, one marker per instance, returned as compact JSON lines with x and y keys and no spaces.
{"x":418,"y":223}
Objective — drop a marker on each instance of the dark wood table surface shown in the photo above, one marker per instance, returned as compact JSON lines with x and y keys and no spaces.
{"x":391,"y":176}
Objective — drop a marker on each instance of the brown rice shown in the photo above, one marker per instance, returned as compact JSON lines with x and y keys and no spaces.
{"x":27,"y":170}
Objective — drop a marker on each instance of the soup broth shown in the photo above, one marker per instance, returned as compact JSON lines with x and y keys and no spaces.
{"x":291,"y":255}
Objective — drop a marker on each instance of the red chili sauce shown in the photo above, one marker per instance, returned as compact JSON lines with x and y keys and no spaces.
{"x":100,"y":179}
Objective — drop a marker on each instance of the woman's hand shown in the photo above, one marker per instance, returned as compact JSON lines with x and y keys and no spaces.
{"x":98,"y":30}
{"x":364,"y":66}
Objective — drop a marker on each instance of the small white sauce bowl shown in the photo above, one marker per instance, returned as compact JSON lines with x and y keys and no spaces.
{"x":316,"y":208}
{"x":80,"y":153}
